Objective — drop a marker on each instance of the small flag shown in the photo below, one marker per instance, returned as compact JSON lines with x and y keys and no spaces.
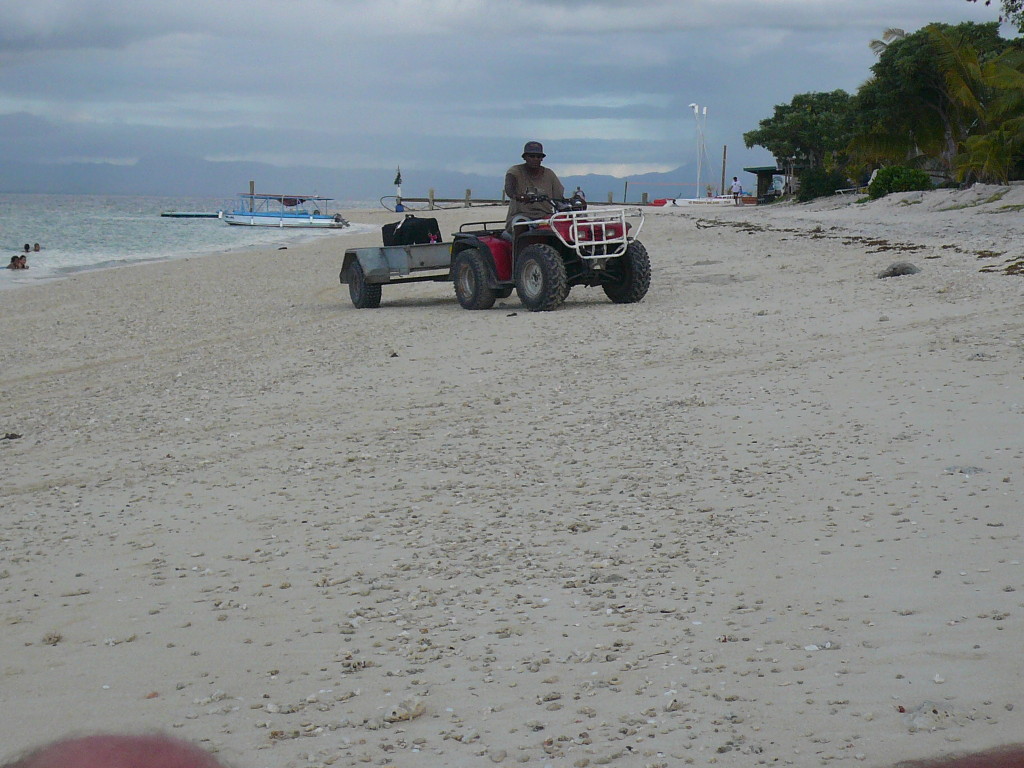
{"x":398,"y":177}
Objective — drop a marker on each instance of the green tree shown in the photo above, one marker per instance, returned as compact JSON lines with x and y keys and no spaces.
{"x":1013,"y":12}
{"x":814,"y":128}
{"x":989,"y":95}
{"x":910,"y":110}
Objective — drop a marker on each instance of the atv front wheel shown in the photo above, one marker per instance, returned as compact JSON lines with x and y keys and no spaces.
{"x":629,"y":275}
{"x":540,"y":278}
{"x":363,"y":294}
{"x":470,"y":275}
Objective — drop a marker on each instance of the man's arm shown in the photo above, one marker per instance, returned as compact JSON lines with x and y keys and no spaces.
{"x":557,"y":187}
{"x":510,"y":186}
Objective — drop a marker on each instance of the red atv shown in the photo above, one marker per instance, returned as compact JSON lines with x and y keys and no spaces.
{"x":542,"y":259}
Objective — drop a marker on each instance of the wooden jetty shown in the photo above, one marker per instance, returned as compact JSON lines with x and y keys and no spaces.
{"x":468,"y":200}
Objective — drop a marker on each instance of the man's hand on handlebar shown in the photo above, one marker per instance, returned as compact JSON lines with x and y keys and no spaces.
{"x":533,"y":198}
{"x":558,"y":204}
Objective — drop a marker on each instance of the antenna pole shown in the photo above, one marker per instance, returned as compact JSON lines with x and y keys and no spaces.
{"x":725,"y":148}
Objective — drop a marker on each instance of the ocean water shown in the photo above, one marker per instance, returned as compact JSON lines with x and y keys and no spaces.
{"x":80,"y":232}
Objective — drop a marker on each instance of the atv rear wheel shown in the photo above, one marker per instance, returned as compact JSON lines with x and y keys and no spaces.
{"x":363,"y":294}
{"x":471,"y":277}
{"x":540,"y":278}
{"x":630,"y":275}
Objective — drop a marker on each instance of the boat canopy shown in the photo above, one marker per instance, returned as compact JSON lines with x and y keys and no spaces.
{"x":288,"y":201}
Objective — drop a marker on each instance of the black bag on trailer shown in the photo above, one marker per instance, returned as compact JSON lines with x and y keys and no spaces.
{"x":411,"y":231}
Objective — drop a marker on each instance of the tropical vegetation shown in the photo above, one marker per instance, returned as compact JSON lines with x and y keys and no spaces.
{"x":898,"y":178}
{"x":945,"y":100}
{"x":818,"y":182}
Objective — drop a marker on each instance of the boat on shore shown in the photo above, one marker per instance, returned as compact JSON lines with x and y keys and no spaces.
{"x":682,"y":202}
{"x":673,"y":202}
{"x":262,"y":210}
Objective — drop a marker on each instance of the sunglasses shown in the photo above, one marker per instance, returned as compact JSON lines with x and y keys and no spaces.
{"x":533,"y":154}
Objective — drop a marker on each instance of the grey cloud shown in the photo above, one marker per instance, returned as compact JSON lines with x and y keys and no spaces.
{"x":451,"y":82}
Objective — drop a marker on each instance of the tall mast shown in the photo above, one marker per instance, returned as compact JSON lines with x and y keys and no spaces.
{"x":701,"y":118}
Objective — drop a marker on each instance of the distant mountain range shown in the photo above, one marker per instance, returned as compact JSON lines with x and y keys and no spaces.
{"x":170,"y":176}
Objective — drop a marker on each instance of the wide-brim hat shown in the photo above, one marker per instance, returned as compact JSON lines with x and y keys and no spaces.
{"x":533,"y":148}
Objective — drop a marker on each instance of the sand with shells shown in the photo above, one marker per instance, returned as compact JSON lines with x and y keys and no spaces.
{"x":768,"y":516}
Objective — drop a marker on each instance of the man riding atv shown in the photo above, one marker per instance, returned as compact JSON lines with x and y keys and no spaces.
{"x":531,"y":187}
{"x":547,"y":246}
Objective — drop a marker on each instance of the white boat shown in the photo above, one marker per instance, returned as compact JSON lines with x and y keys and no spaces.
{"x":257,"y":210}
{"x":673,"y":202}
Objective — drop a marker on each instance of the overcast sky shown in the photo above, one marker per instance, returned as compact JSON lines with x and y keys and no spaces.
{"x":453,"y":84}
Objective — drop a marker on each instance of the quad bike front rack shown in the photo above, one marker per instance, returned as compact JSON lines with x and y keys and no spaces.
{"x":600,"y":233}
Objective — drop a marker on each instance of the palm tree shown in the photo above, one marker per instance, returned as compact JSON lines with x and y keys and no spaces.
{"x":992,"y":156}
{"x":890,"y":35}
{"x":937,"y":88}
{"x":985,"y":125}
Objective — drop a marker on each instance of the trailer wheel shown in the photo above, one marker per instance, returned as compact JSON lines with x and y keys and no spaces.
{"x":363,"y":294}
{"x":469,"y":273}
{"x":540,"y":278}
{"x":629,"y":275}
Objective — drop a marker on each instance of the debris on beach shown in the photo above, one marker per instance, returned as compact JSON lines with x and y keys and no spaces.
{"x":899,"y":269}
{"x":933,"y":716}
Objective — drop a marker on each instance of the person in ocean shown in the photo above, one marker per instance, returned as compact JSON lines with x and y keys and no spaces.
{"x":15,"y":262}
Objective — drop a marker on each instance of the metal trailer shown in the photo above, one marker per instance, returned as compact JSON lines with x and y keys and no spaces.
{"x":367,"y":270}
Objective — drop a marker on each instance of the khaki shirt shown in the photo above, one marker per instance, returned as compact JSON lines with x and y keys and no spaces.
{"x":521,"y":183}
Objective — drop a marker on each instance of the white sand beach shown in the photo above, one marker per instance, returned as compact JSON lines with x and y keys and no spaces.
{"x":771,"y":515}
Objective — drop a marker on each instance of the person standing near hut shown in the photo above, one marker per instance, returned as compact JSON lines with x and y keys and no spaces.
{"x":737,"y":191}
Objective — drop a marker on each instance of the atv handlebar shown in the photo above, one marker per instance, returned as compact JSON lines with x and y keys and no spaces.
{"x":574,"y":203}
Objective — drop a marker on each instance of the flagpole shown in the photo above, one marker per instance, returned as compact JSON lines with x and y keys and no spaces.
{"x":700,"y":142}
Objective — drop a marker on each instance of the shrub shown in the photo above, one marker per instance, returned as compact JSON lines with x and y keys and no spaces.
{"x":897,"y":178}
{"x":817,"y":182}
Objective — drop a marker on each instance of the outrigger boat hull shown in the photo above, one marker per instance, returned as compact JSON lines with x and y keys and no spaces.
{"x":249,"y":219}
